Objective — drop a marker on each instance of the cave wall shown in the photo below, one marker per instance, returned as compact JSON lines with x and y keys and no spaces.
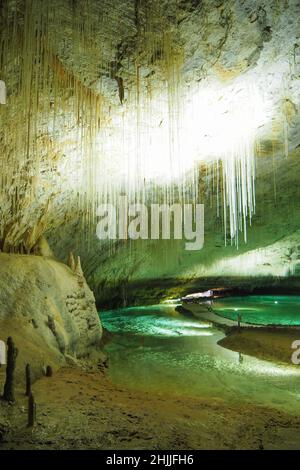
{"x":74,"y":68}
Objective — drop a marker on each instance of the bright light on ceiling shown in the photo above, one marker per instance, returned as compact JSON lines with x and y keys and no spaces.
{"x":162,"y":142}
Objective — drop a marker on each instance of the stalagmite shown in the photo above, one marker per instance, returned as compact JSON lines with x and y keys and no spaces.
{"x":49,"y":371}
{"x":28,"y":380}
{"x":31,"y":411}
{"x":79,"y":272}
{"x":71,"y":261}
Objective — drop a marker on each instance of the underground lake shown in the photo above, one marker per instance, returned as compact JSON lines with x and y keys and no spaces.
{"x":261,"y":309}
{"x":160,"y":349}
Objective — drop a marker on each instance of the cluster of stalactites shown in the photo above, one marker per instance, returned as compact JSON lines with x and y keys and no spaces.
{"x":52,"y":116}
{"x":49,"y":112}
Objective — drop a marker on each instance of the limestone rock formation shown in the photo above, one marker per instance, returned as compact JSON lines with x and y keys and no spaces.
{"x":46,"y":312}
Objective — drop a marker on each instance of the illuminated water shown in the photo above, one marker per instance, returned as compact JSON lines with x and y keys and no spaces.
{"x":261,"y":309}
{"x":155,"y":348}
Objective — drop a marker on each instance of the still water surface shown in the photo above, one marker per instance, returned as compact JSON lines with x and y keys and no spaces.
{"x":156,"y":348}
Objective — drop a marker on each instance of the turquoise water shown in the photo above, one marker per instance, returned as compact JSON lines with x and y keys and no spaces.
{"x":156,"y":348}
{"x":261,"y":309}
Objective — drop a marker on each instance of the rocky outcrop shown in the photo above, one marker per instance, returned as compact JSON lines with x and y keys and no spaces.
{"x":50,"y":315}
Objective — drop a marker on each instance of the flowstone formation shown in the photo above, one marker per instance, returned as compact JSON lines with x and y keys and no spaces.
{"x":166,"y":101}
{"x":52,"y":318}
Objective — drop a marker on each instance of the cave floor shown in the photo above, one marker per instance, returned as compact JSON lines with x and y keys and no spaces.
{"x":165,"y":390}
{"x":77,"y":409}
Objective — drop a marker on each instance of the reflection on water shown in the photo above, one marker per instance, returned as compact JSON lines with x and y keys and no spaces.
{"x":157,"y":348}
{"x":261,"y":309}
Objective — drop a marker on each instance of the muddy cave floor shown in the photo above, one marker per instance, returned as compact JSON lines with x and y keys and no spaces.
{"x":80,"y":408}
